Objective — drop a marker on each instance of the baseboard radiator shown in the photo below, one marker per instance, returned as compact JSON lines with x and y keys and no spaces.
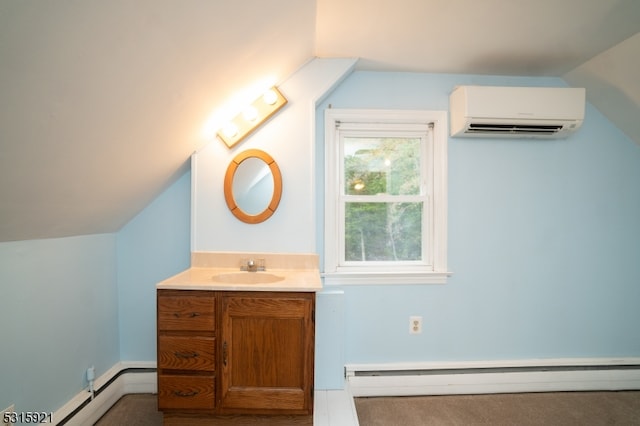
{"x":447,"y":378}
{"x":121,"y":379}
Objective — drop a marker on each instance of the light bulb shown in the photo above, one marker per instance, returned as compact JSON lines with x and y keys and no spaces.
{"x":270,"y":97}
{"x":230,"y":130}
{"x":250,"y":113}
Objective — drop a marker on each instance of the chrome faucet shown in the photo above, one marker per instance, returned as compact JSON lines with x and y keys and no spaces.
{"x":251,"y":265}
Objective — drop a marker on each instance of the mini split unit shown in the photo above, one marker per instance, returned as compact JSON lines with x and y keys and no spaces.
{"x":523,"y":112}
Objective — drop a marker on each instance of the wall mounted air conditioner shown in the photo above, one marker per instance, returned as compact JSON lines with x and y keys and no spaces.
{"x":524,"y":112}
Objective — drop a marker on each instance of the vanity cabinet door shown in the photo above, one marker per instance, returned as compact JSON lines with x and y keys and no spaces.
{"x":266,"y":353}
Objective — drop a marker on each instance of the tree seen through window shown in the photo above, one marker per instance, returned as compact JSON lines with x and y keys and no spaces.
{"x":382,"y":223}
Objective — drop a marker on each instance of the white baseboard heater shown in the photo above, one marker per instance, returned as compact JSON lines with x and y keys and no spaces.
{"x":481,"y":377}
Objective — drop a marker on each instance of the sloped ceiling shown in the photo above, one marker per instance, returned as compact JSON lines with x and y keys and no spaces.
{"x":611,"y":78}
{"x":500,"y":37}
{"x":103,"y":102}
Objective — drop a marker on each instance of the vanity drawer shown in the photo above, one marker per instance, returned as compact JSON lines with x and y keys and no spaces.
{"x":192,"y":312}
{"x":186,"y":392}
{"x":186,"y":353}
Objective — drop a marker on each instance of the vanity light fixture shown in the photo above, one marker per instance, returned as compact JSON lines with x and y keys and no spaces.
{"x":252,"y":117}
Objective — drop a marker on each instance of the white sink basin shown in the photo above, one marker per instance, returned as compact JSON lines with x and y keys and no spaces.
{"x":247,"y":278}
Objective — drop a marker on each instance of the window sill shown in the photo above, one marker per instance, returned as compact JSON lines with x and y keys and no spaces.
{"x":384,"y":278}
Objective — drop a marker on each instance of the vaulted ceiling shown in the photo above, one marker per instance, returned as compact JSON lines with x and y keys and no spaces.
{"x":103,"y":102}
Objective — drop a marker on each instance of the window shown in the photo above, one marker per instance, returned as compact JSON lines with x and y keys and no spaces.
{"x":385,"y":186}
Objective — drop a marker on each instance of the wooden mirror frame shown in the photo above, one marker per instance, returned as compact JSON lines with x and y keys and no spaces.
{"x":228,"y":186}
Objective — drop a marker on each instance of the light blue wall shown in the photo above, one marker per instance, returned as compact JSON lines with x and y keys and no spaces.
{"x":151,"y":247}
{"x":544,"y":242}
{"x":59,"y":316}
{"x":330,"y":340}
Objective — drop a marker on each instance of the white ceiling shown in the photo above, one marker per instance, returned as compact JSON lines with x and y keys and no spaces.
{"x":104,"y":102}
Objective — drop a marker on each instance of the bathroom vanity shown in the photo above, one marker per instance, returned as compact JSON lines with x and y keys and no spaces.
{"x":238,"y":343}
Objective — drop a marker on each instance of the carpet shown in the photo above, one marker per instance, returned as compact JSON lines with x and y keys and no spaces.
{"x":555,"y":408}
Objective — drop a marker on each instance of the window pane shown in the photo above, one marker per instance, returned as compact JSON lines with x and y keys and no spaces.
{"x":382,"y":166}
{"x":383,"y":231}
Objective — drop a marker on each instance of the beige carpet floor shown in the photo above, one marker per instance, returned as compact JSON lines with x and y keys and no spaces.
{"x":559,"y":408}
{"x":133,"y":410}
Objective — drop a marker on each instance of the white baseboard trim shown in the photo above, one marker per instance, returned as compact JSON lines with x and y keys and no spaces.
{"x":121,"y":379}
{"x":551,"y":375}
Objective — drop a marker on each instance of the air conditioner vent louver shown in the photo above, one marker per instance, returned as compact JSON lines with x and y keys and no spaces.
{"x":516,"y":112}
{"x":514,"y":129}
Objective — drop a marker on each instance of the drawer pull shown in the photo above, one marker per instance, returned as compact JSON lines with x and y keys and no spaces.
{"x":185,"y":394}
{"x":191,"y":315}
{"x":186,"y":354}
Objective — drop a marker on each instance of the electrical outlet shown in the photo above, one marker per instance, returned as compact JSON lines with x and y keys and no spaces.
{"x":415,"y":325}
{"x":9,"y":409}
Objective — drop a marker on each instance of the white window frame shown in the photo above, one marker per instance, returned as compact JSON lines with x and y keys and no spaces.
{"x":432,"y":269}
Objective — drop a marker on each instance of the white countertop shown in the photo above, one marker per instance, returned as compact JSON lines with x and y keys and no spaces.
{"x":299,"y":272}
{"x":201,"y":278}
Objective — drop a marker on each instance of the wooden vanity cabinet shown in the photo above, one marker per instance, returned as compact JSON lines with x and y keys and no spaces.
{"x":233,"y":353}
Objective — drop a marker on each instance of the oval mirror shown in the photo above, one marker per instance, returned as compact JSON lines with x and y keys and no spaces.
{"x":252,"y":186}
